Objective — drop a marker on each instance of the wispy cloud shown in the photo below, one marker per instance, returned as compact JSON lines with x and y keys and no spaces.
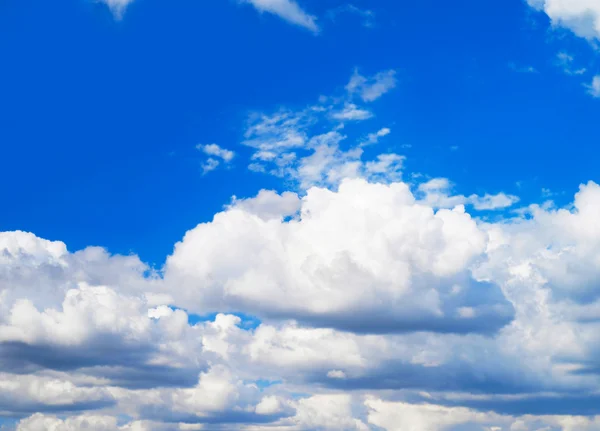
{"x":351,"y":112}
{"x":288,"y":10}
{"x":437,"y":192}
{"x":371,"y":88}
{"x":307,"y":146}
{"x":594,"y":87}
{"x":522,"y":69}
{"x":368,"y":16}
{"x":565,"y":61}
{"x":373,"y":138}
{"x":117,"y":7}
{"x":216,"y":155}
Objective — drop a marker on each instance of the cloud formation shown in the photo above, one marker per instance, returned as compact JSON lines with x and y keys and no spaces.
{"x":580,"y":16}
{"x":363,"y":290}
{"x":355,"y":299}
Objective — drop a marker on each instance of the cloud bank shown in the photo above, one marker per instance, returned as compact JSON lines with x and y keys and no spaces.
{"x":360,"y":298}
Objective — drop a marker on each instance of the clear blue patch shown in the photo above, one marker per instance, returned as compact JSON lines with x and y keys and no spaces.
{"x":247,"y":322}
{"x":264,"y":384}
{"x":7,"y":424}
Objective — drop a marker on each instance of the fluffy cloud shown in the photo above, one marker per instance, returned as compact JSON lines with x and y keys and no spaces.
{"x":581,"y":16}
{"x":409,"y":287}
{"x":370,"y":271}
{"x":375,"y":304}
{"x":40,"y":422}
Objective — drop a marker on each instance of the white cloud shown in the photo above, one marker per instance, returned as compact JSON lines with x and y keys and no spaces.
{"x":565,"y":61}
{"x":351,"y":112}
{"x":373,"y":138}
{"x":117,"y":7}
{"x":270,"y":205}
{"x":398,"y":416}
{"x":594,"y":87}
{"x":306,"y":145}
{"x":367,"y":258}
{"x":321,"y":270}
{"x":382,"y":304}
{"x":40,"y":422}
{"x":371,"y":88}
{"x":580,"y":16}
{"x":492,"y":202}
{"x":209,"y":165}
{"x":217,"y":155}
{"x":216,"y":151}
{"x":328,"y":413}
{"x":288,"y":10}
{"x":30,"y":393}
{"x":437,"y":193}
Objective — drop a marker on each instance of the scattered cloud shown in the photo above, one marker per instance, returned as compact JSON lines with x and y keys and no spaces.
{"x":307,"y":145}
{"x":216,"y":155}
{"x":437,"y":192}
{"x":351,"y":112}
{"x":371,"y":88}
{"x":376,"y":303}
{"x":373,"y":138}
{"x":594,"y":87}
{"x":216,"y":151}
{"x":289,"y":10}
{"x":565,"y":62}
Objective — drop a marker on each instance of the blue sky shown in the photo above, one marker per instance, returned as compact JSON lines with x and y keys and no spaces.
{"x":299,"y":215}
{"x":101,"y":117}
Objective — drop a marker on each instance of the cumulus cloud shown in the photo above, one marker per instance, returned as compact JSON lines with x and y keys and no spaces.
{"x":431,"y":319}
{"x":327,"y":275}
{"x":40,"y":422}
{"x":580,"y":16}
{"x":269,"y":204}
{"x":375,"y":304}
{"x":288,"y":10}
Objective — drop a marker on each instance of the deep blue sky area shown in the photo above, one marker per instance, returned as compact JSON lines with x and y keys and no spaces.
{"x":99,"y":118}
